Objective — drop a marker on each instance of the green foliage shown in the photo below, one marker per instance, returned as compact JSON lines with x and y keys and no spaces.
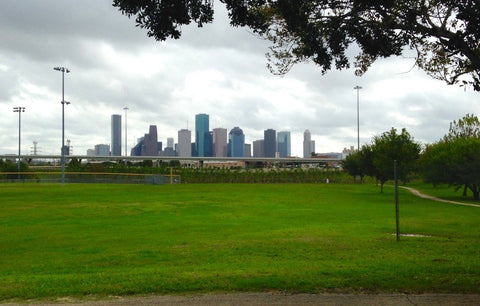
{"x":295,"y":175}
{"x":455,"y":162}
{"x":444,"y":33}
{"x":377,"y":160}
{"x":360,"y":163}
{"x":8,"y":166}
{"x":389,"y":147}
{"x":466,"y":127}
{"x":164,"y":19}
{"x":351,"y":164}
{"x":85,"y":240}
{"x":12,"y":166}
{"x":74,"y":165}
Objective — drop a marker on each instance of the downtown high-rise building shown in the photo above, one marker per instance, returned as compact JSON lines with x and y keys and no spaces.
{"x":219,"y":142}
{"x":236,"y":143}
{"x":248,"y":150}
{"x":116,"y":135}
{"x":270,"y":142}
{"x":170,"y":142}
{"x":258,"y":148}
{"x":184,"y":148}
{"x":102,"y":150}
{"x":284,"y":144}
{"x":203,"y":138}
{"x":151,"y":147}
{"x":307,"y":144}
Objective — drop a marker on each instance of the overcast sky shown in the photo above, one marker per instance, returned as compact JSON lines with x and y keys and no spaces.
{"x":217,"y":70}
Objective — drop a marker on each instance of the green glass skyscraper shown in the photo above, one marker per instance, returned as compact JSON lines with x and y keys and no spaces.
{"x":202,"y":135}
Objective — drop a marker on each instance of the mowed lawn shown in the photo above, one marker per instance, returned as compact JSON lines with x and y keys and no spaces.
{"x":99,"y":239}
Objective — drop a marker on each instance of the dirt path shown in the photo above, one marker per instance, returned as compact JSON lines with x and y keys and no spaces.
{"x":426,"y":196}
{"x":276,"y":298}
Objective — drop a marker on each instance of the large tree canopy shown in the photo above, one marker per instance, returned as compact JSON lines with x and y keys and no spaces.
{"x":455,"y":160}
{"x":445,"y":34}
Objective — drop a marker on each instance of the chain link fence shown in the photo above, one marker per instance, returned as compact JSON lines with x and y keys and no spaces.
{"x":89,"y":177}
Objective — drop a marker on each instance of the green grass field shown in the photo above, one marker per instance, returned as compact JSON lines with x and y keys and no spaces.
{"x":94,"y":239}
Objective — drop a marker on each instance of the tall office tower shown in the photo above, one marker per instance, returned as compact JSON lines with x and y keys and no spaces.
{"x":150,"y":145}
{"x":202,"y":134}
{"x":258,"y":148}
{"x":312,"y":146}
{"x":283,"y":144}
{"x":270,"y":142}
{"x":307,"y":144}
{"x":236,"y":143}
{"x":184,"y":148}
{"x":209,"y":144}
{"x":248,"y":150}
{"x":137,"y":149}
{"x":220,"y":142}
{"x":170,"y":142}
{"x":116,"y":133}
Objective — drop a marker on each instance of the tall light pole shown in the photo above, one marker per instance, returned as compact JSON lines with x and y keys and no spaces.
{"x":63,"y":70}
{"x":126,"y":109}
{"x":19,"y":110}
{"x":358,"y":116}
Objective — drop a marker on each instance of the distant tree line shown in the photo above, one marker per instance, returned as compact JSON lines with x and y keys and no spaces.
{"x":453,"y":160}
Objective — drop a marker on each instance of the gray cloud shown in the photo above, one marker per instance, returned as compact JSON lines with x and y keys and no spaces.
{"x":217,"y":70}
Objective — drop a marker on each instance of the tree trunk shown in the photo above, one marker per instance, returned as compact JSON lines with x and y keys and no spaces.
{"x":381,"y":186}
{"x":475,"y":191}
{"x":465,"y":190}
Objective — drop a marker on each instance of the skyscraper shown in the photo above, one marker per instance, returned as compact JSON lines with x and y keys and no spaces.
{"x":150,"y":145}
{"x":283,"y":144}
{"x":270,"y":142}
{"x":202,"y":135}
{"x":220,"y":142}
{"x":170,"y":142}
{"x":307,"y":144}
{"x":116,"y":135}
{"x":184,"y":143}
{"x":258,"y":148}
{"x":236,"y":143}
{"x":248,"y":150}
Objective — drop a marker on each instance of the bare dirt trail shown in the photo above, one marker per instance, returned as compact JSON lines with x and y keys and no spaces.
{"x":426,"y":196}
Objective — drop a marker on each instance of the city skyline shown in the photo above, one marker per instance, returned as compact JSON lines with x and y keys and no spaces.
{"x":219,"y":138}
{"x":218,"y":70}
{"x":221,"y":145}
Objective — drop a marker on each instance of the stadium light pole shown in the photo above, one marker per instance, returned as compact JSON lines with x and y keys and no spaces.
{"x":126,"y":109}
{"x":19,"y":110}
{"x":358,"y":116}
{"x":63,"y":70}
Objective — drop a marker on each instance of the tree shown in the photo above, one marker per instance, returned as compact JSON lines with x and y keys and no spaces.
{"x":445,"y":34}
{"x":351,"y":164}
{"x":360,"y":163}
{"x":391,"y":146}
{"x":466,"y":127}
{"x":455,"y":160}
